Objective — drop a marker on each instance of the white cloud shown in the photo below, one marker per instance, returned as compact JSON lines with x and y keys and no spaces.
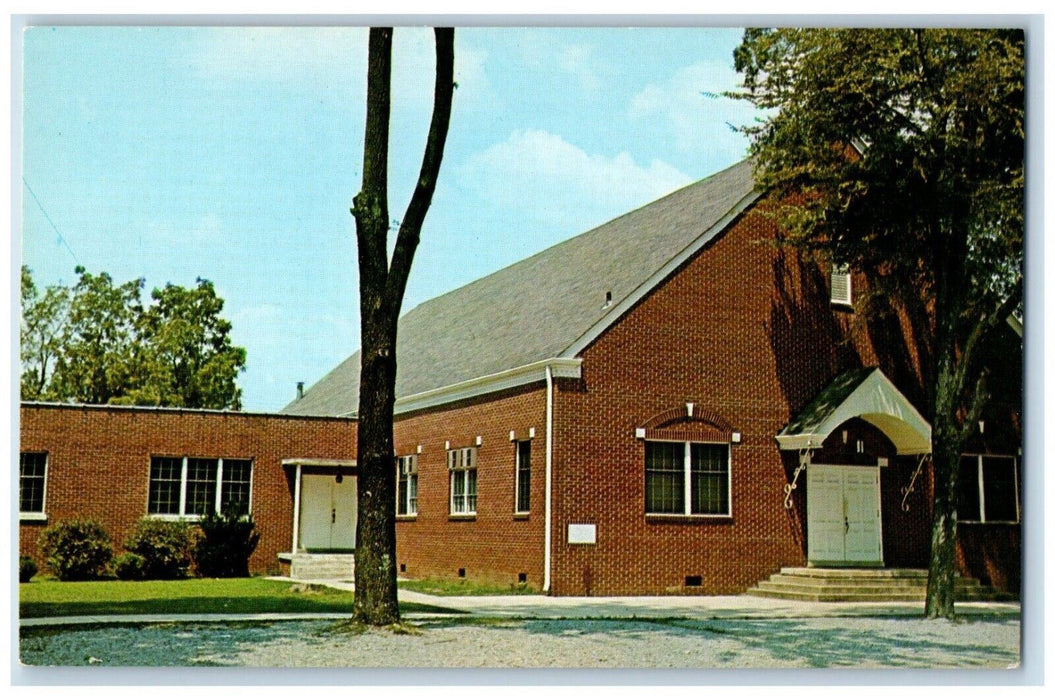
{"x":690,"y":106}
{"x":577,"y":60}
{"x":547,"y":52}
{"x":544,"y":176}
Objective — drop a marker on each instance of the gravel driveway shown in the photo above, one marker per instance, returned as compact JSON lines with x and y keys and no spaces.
{"x":859,"y":642}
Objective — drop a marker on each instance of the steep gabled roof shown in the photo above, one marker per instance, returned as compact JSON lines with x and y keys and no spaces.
{"x":549,"y":305}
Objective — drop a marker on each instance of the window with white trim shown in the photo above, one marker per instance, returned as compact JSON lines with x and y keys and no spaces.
{"x":461,"y":463}
{"x":407,"y":485}
{"x":32,"y":479}
{"x":687,"y":478}
{"x":194,"y":486}
{"x":523,"y":476}
{"x":842,"y":292}
{"x":988,"y":491}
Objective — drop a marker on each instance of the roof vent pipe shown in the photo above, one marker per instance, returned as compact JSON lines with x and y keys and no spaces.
{"x":607,"y":299}
{"x":300,"y":390}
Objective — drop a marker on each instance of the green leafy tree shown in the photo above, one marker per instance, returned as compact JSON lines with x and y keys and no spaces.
{"x":96,"y":343}
{"x":43,"y":328}
{"x":96,"y":364}
{"x":186,"y":357}
{"x":381,"y":286}
{"x":904,"y":151}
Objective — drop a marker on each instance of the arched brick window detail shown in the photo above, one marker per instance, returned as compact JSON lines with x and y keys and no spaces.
{"x":679,"y":425}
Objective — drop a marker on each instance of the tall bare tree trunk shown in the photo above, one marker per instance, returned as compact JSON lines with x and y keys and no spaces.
{"x":381,"y":288}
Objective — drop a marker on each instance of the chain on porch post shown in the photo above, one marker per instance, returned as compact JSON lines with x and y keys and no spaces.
{"x":906,"y":491}
{"x":804,"y":460}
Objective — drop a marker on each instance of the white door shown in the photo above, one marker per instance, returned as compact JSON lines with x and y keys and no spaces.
{"x":327,"y":513}
{"x":843,"y":524}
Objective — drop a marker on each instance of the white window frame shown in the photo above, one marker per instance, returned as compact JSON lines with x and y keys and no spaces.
{"x":34,"y":514}
{"x":218,"y":478}
{"x":979,"y":459}
{"x":406,"y":465}
{"x":463,"y":459}
{"x":517,"y":510}
{"x":687,"y":480}
{"x":842,"y":272}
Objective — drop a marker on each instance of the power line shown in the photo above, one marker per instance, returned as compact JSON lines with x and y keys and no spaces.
{"x":46,"y":216}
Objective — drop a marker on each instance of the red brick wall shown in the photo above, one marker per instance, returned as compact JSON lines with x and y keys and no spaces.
{"x":495,"y":545}
{"x":991,"y":553}
{"x":745,"y":330}
{"x":99,"y":463}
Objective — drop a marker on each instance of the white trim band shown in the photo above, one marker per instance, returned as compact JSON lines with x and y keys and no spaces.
{"x":568,"y":367}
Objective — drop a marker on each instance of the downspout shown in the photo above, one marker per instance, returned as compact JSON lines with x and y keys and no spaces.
{"x":549,"y":478}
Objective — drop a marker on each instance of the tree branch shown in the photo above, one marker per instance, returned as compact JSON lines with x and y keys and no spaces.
{"x":984,"y":325}
{"x":410,"y":229}
{"x":974,"y":411}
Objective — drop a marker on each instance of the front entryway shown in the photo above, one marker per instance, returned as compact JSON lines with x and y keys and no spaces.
{"x":843,"y":522}
{"x":328,"y":510}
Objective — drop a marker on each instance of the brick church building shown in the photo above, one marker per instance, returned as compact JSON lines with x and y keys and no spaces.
{"x":668,"y":403}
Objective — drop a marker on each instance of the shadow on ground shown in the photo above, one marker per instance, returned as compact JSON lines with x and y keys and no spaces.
{"x":895,"y":642}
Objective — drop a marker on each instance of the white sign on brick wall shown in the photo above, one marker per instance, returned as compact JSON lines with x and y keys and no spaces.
{"x":580,"y":533}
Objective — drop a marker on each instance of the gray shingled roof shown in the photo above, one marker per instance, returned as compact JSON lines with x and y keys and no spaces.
{"x":833,"y":395}
{"x":537,"y":308}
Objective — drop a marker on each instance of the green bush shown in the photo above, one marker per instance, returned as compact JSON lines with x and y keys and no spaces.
{"x":27,"y":568}
{"x":164,"y":546}
{"x":76,"y":550}
{"x":224,"y":544}
{"x":130,"y":567}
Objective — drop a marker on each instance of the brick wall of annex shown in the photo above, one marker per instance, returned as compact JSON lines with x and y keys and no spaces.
{"x":99,"y":463}
{"x":496,"y":545}
{"x":746,"y":331}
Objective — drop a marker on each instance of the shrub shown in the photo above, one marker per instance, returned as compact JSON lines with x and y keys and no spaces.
{"x":224,"y":544}
{"x":164,"y":546}
{"x":27,"y":568}
{"x":129,"y":567}
{"x":76,"y":550}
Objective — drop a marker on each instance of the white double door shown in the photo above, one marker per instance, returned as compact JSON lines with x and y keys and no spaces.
{"x":328,"y":511}
{"x":843,"y":515}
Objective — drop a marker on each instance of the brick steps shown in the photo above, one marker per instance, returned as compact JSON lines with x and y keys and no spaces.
{"x":863,"y":585}
{"x":305,"y":566}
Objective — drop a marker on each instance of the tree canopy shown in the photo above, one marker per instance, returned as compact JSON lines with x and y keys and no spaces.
{"x":900,"y":152}
{"x":939,"y":117}
{"x":96,"y":342}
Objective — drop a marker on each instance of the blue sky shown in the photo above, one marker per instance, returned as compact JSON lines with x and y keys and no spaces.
{"x":233,"y":154}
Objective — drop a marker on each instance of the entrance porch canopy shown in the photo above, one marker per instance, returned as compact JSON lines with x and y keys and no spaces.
{"x":861,"y":393}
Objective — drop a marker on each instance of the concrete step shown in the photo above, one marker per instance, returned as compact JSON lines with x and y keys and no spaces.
{"x":834,"y":590}
{"x":847,"y":581}
{"x":837,"y":597}
{"x":305,"y":566}
{"x":848,"y":585}
{"x":818,"y":572}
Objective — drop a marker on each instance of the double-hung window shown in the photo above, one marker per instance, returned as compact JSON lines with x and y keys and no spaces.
{"x":461,"y":463}
{"x":988,"y":490}
{"x":523,"y":476}
{"x":687,"y":478}
{"x":407,"y":485}
{"x":32,"y":478}
{"x":194,"y":486}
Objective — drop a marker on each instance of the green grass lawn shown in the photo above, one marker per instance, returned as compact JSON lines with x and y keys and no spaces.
{"x":44,"y":598}
{"x":462,"y":587}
